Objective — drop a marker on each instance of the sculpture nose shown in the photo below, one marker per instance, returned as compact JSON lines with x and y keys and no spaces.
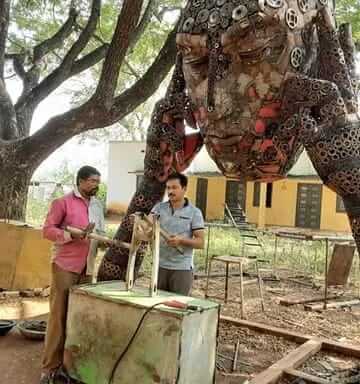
{"x":246,"y":22}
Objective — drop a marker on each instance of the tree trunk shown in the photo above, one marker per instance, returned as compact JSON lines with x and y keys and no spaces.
{"x":14,"y":183}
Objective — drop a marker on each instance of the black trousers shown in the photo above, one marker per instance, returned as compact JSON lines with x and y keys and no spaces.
{"x":177,"y":281}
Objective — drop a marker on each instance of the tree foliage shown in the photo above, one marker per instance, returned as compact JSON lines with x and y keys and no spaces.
{"x":348,"y":11}
{"x":47,"y":43}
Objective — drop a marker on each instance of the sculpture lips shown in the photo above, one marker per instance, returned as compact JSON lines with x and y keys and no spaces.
{"x":231,"y":140}
{"x":257,"y":53}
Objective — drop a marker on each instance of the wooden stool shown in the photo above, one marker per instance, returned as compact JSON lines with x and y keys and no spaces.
{"x":241,"y":262}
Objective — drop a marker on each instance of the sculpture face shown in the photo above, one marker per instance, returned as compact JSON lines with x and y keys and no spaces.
{"x":260,"y":78}
{"x":236,"y":57}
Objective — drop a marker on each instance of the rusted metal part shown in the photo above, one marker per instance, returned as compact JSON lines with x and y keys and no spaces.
{"x":260,"y":80}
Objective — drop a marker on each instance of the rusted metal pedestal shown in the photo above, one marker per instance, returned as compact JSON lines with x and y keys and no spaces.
{"x":120,"y":337}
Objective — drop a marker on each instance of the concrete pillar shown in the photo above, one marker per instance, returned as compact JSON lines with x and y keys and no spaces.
{"x":262,"y":207}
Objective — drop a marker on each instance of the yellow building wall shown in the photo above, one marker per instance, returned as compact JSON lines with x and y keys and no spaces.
{"x":251,"y":212}
{"x":215,"y":198}
{"x":191,"y":189}
{"x":284,"y":200}
{"x":24,"y":257}
{"x":215,"y":195}
{"x":330,"y":219}
{"x":283,"y":207}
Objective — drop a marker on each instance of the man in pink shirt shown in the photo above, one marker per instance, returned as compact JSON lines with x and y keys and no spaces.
{"x":72,"y":259}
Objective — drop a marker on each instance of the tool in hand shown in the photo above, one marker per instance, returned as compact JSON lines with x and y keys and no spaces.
{"x":179,"y":305}
{"x":89,"y":234}
{"x":166,"y":235}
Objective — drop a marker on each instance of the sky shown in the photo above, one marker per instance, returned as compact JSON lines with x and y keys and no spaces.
{"x":73,"y":153}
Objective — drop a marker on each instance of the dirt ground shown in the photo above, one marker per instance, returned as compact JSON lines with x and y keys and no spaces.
{"x":20,"y":358}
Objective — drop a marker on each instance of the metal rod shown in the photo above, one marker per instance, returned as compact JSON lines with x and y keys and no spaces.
{"x":207,"y":250}
{"x":241,"y":290}
{"x":95,"y":236}
{"x":236,"y":354}
{"x":275,"y":255}
{"x":260,"y":286}
{"x":226,"y":282}
{"x":326,"y":272}
{"x":207,"y":279}
{"x":156,"y":257}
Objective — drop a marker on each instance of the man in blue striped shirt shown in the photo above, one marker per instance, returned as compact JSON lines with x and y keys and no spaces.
{"x":185,"y":223}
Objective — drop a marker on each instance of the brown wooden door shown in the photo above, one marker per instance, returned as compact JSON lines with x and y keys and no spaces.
{"x":235,"y":194}
{"x":201,"y":195}
{"x":308,"y":210}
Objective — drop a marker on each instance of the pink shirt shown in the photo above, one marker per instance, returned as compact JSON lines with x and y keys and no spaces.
{"x":72,"y":210}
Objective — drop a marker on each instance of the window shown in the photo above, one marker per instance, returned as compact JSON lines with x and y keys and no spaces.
{"x":256,"y":196}
{"x":340,"y":207}
{"x":269,"y":190}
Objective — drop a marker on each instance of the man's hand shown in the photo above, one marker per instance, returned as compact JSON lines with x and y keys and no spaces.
{"x":77,"y":236}
{"x":103,"y":245}
{"x":174,"y":241}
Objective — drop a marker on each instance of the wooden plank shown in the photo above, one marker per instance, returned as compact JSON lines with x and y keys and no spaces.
{"x":155,"y":257}
{"x":345,"y":349}
{"x":294,"y":373}
{"x":200,"y":275}
{"x":231,"y":378}
{"x":288,"y":301}
{"x":340,"y":264}
{"x":327,"y":344}
{"x":336,"y":304}
{"x":267,"y":329}
{"x":294,"y":359}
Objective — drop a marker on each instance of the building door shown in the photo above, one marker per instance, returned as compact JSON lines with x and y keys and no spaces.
{"x":308,"y":210}
{"x":201,"y":195}
{"x":235,"y":194}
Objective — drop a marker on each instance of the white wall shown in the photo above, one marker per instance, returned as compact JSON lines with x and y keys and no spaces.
{"x":203,"y":163}
{"x":124,"y":157}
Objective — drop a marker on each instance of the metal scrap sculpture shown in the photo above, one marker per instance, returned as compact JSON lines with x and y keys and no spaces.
{"x":259,"y":80}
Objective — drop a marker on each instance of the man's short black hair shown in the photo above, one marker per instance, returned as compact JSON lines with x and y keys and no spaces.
{"x":179,"y":176}
{"x":85,"y":172}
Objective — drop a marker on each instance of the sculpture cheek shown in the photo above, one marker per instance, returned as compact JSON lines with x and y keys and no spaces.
{"x":163,"y":146}
{"x":270,"y":111}
{"x":167,"y":119}
{"x":260,"y":126}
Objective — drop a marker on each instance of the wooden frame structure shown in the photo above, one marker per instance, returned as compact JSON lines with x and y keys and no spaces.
{"x":310,"y":345}
{"x":150,"y":233}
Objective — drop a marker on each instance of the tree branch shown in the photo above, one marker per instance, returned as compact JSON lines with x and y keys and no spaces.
{"x":125,"y":26}
{"x":57,"y":40}
{"x":132,"y":70}
{"x":63,"y":72}
{"x":8,"y":124}
{"x":145,"y":20}
{"x":89,"y":60}
{"x":92,"y":115}
{"x":18,"y":64}
{"x":84,"y":37}
{"x":4,"y":25}
{"x":149,"y":82}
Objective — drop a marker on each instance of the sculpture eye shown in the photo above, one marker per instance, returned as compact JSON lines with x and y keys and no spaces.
{"x":197,"y":64}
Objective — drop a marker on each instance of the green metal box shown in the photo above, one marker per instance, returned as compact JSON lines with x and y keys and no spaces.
{"x":171,"y":346}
